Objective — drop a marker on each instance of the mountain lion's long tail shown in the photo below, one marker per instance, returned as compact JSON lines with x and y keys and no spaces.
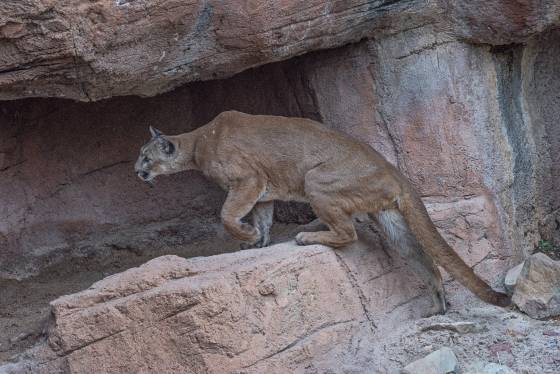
{"x":420,"y":224}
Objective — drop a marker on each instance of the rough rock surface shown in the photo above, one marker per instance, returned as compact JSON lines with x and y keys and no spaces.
{"x":488,"y":368}
{"x":442,"y":361}
{"x":537,"y":292}
{"x":512,"y":276}
{"x":462,"y":327}
{"x":278,"y":309}
{"x":461,"y":96}
{"x":67,"y":186}
{"x":89,"y":50}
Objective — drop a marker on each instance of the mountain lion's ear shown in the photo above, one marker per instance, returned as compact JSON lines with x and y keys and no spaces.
{"x":155,"y":132}
{"x":166,"y":146}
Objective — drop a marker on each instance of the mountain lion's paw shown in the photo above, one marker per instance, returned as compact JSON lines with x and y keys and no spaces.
{"x":249,"y":233}
{"x":244,"y":246}
{"x":262,"y":242}
{"x":262,"y":239}
{"x":305,"y":238}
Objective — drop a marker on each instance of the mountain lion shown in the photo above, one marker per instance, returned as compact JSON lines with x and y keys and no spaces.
{"x":258,"y":159}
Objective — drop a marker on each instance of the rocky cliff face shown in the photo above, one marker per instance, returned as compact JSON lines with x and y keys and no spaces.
{"x":89,"y":50}
{"x":463,"y":97}
{"x":473,"y":126}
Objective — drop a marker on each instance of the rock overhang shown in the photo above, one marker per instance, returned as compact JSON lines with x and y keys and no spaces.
{"x":89,"y":51}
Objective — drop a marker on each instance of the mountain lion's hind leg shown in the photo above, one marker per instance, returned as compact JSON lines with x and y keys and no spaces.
{"x":240,"y":200}
{"x":319,"y":190}
{"x":341,"y":233}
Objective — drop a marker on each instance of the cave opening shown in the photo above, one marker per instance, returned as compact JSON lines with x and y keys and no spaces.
{"x":69,"y":175}
{"x":74,"y":210}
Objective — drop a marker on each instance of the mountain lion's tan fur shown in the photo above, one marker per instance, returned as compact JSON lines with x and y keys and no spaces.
{"x":259,"y":159}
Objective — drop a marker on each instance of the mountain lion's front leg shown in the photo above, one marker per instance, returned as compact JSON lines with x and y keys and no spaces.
{"x":241,"y":198}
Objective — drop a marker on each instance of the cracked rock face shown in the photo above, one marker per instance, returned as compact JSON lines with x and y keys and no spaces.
{"x":281,"y":309}
{"x":473,"y":127}
{"x":278,"y":309}
{"x":90,"y":50}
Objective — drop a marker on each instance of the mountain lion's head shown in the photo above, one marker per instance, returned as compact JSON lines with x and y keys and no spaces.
{"x":156,"y":157}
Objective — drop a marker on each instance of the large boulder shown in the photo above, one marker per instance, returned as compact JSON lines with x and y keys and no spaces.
{"x":279,"y":309}
{"x":442,"y":361}
{"x":89,"y":50}
{"x":98,"y":49}
{"x":537,"y":291}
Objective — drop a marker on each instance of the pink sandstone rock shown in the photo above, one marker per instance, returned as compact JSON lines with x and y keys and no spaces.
{"x":472,"y":124}
{"x":278,"y":309}
{"x":431,"y":105}
{"x":447,"y":113}
{"x":90,"y":50}
{"x":536,"y":291}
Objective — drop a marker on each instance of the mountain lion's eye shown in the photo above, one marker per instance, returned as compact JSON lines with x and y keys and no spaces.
{"x":146,"y":160}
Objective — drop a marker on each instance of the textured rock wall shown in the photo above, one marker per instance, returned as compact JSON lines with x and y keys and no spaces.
{"x":464,"y":97}
{"x":94,"y":49}
{"x":69,"y":187}
{"x":540,"y":101}
{"x":473,"y":126}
